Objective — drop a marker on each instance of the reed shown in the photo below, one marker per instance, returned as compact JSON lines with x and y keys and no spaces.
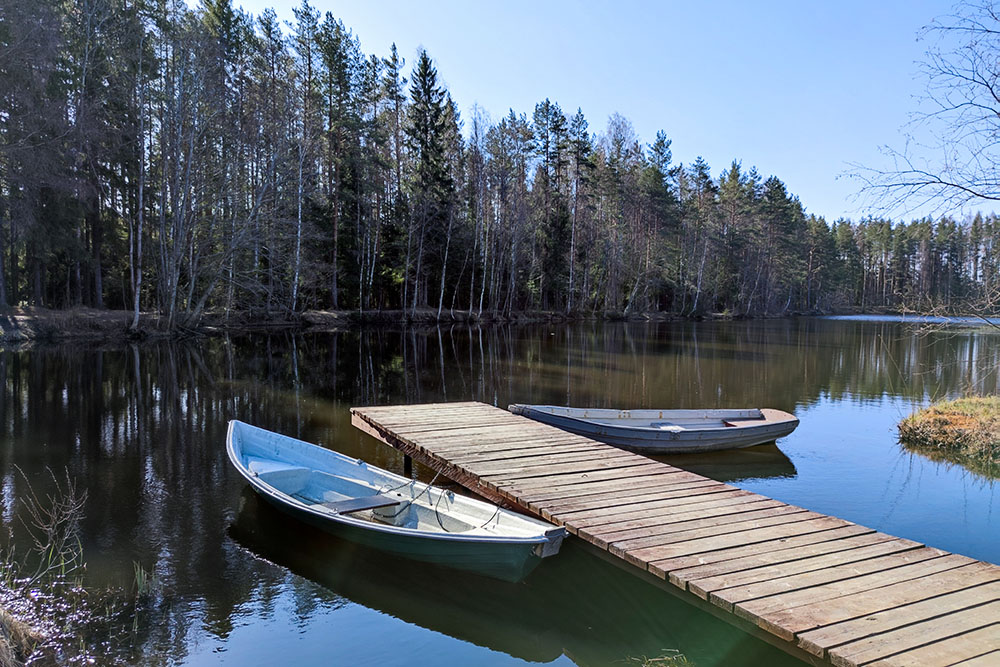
{"x":36,"y":586}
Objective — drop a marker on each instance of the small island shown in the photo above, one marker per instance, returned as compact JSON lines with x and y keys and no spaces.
{"x":964,"y":431}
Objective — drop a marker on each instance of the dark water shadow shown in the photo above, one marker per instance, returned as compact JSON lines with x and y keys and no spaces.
{"x":765,"y":461}
{"x":573,"y":604}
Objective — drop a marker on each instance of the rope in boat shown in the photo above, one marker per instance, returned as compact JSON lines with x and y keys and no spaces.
{"x":496,"y":511}
{"x":437,"y":513}
{"x":411,"y":500}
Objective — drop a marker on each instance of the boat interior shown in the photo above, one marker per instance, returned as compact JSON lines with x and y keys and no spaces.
{"x":411,"y":504}
{"x":676,"y":425}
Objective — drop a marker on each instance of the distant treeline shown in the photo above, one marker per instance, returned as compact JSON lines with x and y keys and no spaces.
{"x":161,"y":158}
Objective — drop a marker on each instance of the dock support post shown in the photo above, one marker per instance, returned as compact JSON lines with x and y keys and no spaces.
{"x":407,"y":466}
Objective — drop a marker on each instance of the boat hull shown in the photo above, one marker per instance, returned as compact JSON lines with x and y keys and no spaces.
{"x":507,"y":562}
{"x":751,"y":427}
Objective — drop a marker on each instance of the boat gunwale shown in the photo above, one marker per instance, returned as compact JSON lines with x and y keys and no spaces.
{"x":765,"y":421}
{"x":260,"y":485}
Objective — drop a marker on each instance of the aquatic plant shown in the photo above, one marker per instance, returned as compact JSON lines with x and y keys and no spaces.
{"x":46,"y":615}
{"x":670,"y":658}
{"x":965,"y":431}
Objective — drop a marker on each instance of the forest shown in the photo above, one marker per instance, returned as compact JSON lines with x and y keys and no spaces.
{"x":155,"y":157}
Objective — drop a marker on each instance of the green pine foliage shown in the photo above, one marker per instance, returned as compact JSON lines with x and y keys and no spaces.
{"x":179,"y":160}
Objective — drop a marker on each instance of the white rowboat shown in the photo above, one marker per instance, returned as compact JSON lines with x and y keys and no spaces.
{"x":667,"y":431}
{"x":385,"y":511}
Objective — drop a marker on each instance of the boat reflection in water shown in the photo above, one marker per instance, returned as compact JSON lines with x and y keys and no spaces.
{"x":576,"y":605}
{"x":761,"y":462}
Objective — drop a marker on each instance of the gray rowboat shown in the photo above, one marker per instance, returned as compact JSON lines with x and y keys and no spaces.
{"x":667,"y":431}
{"x":376,"y":508}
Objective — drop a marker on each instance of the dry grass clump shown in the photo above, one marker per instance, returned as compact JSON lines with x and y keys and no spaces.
{"x":17,"y":640}
{"x":964,"y":431}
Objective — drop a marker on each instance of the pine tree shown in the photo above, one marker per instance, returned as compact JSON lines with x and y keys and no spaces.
{"x":431,"y":184}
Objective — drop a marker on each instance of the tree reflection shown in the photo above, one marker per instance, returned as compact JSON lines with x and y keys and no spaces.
{"x":142,"y":428}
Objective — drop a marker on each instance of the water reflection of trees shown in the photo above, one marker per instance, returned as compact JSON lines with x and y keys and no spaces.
{"x":143,"y":427}
{"x":781,"y":363}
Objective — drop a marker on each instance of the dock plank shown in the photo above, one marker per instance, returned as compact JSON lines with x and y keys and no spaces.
{"x":804,"y":618}
{"x":790,"y":556}
{"x":668,"y":535}
{"x":894,"y":645}
{"x":671,"y":514}
{"x":609,"y":508}
{"x":698,"y":526}
{"x":782,"y":592}
{"x":784,"y":549}
{"x":763,"y":610}
{"x":825,"y":638}
{"x":762,"y":536}
{"x":828,"y":588}
{"x":547,"y":468}
{"x":705,"y":586}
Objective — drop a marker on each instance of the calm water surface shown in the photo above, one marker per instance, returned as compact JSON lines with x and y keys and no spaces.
{"x":142,"y":430}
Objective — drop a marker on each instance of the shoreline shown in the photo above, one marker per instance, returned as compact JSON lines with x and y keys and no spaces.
{"x":26,"y":325}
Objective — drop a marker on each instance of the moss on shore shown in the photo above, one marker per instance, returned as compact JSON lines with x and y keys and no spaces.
{"x":964,"y":431}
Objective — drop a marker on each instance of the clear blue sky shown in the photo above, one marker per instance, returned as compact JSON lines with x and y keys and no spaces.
{"x":798,"y":89}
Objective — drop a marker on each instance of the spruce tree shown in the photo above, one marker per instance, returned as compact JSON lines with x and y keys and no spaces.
{"x":431,"y":184}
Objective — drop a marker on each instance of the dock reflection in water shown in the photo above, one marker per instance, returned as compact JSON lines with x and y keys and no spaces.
{"x":765,"y":461}
{"x":574,"y":605}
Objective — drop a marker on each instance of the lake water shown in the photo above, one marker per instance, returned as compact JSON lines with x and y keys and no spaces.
{"x":142,"y":430}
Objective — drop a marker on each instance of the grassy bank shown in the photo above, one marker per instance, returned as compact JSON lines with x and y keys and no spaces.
{"x":964,"y":431}
{"x":17,"y":640}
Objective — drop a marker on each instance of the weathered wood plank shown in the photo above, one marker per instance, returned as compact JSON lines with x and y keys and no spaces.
{"x":762,"y":611}
{"x":782,"y":590}
{"x":790,"y":548}
{"x":859,"y":604}
{"x":823,"y":639}
{"x":515,"y":473}
{"x":607,"y":508}
{"x":676,"y":513}
{"x":667,"y":535}
{"x":641,"y":556}
{"x":924,"y":635}
{"x":386,"y":411}
{"x":829,"y":587}
{"x":646,"y":470}
{"x":700,"y":525}
{"x":453,"y":438}
{"x":759,"y":559}
{"x":991,"y":659}
{"x":487,"y":455}
{"x":680,"y":494}
{"x":704,"y":586}
{"x":646,"y":480}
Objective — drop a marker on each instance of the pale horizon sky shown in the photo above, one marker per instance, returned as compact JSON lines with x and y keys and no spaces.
{"x":801,"y":90}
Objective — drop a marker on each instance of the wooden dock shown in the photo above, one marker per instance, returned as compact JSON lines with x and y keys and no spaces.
{"x":825,"y":589}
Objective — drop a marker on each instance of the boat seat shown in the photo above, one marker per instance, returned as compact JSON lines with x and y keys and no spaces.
{"x":358,"y":504}
{"x":264,"y":466}
{"x":742,"y":422}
